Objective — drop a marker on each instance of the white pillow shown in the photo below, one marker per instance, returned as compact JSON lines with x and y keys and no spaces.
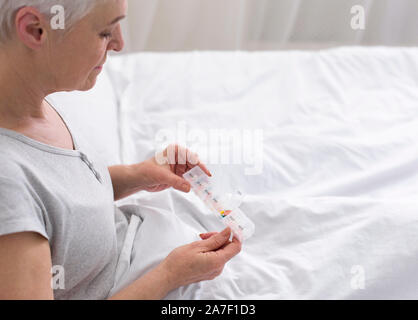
{"x":93,"y":115}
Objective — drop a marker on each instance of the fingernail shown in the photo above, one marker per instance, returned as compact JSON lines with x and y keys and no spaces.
{"x":185,"y":187}
{"x":226,"y":232}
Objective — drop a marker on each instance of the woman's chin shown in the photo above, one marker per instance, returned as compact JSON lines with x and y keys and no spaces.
{"x":80,"y":85}
{"x":89,"y":83}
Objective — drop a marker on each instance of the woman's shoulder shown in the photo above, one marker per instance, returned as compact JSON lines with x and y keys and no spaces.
{"x":16,"y":182}
{"x":10,"y":167}
{"x":10,"y":159}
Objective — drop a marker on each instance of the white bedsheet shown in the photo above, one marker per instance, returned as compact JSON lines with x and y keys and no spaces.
{"x":305,"y":248}
{"x":336,"y":202}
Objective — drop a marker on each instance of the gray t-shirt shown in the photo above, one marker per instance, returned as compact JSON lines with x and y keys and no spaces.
{"x":67,"y":197}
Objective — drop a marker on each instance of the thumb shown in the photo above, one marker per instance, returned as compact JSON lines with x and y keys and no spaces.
{"x":205,"y":236}
{"x":178,"y":183}
{"x":217,"y":240}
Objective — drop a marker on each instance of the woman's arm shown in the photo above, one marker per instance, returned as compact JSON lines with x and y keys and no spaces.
{"x":25,"y":272}
{"x":155,"y":285}
{"x":194,"y":262}
{"x":125,"y":180}
{"x":25,"y":267}
{"x":163,"y":171}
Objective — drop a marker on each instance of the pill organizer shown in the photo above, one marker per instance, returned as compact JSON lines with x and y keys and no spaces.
{"x":225,"y":207}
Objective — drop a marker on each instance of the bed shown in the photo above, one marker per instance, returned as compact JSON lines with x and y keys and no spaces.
{"x":327,"y":162}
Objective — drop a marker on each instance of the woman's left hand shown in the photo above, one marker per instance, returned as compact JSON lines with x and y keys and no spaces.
{"x":166,"y":169}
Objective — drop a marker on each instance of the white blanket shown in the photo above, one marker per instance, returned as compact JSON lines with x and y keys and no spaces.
{"x":306,"y":248}
{"x":335,"y":205}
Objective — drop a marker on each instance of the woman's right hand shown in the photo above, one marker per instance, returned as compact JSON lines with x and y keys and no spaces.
{"x":200,"y":260}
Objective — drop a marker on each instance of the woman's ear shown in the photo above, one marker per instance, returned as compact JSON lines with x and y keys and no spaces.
{"x":30,"y":27}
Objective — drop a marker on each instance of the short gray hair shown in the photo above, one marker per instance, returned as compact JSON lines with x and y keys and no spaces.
{"x":74,"y":11}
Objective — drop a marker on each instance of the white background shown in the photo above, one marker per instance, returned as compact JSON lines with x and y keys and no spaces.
{"x":180,"y":25}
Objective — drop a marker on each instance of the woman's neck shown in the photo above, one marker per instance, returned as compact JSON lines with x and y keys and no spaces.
{"x":21,"y":96}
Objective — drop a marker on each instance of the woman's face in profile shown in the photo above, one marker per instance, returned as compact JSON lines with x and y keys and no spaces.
{"x":76,"y":59}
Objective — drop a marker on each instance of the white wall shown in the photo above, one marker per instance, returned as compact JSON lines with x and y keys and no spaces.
{"x":178,"y":25}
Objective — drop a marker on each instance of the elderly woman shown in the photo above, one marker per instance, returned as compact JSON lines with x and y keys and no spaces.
{"x":56,"y":198}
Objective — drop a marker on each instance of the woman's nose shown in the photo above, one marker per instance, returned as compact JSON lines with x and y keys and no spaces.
{"x":117,"y":42}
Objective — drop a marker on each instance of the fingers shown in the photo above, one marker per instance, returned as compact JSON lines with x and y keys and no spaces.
{"x":181,"y":167}
{"x":205,"y":170}
{"x":216,"y":241}
{"x":176,"y":182}
{"x":177,"y":158}
{"x":219,"y":243}
{"x":205,"y":236}
{"x":181,"y":184}
{"x":170,"y":154}
{"x":193,"y":161}
{"x":230,"y":250}
{"x":182,"y":159}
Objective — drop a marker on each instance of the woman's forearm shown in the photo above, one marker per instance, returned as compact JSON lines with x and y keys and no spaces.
{"x":155,"y":285}
{"x":124,"y":180}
